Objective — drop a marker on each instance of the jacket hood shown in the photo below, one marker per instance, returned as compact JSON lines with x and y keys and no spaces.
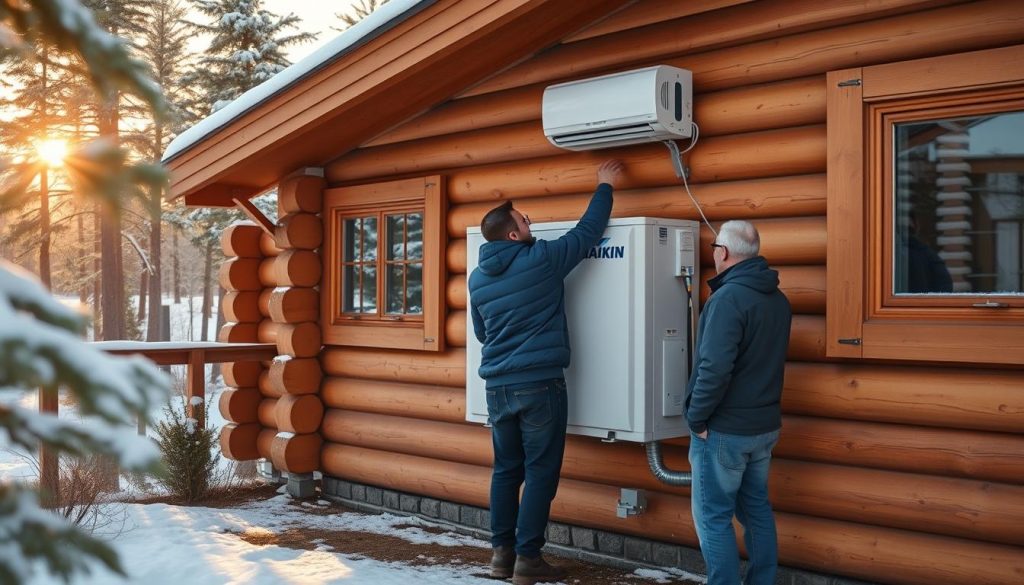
{"x":495,"y":257}
{"x":752,"y":273}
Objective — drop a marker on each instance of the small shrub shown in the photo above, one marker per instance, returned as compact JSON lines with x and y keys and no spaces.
{"x":187,"y":452}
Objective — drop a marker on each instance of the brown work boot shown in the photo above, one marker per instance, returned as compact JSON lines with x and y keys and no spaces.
{"x":530,"y":571}
{"x":502,"y":561}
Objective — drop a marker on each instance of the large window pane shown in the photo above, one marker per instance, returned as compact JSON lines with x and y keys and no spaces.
{"x":958,"y":209}
{"x":351,"y":297}
{"x":370,"y":239}
{"x":414,"y":289}
{"x":414,"y":225}
{"x":395,"y":283}
{"x":369,"y":301}
{"x":396,"y":237}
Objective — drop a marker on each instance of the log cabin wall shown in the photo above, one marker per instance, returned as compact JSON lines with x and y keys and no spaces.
{"x":884,"y":472}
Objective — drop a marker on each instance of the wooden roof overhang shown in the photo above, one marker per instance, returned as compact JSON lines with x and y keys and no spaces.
{"x":409,"y":68}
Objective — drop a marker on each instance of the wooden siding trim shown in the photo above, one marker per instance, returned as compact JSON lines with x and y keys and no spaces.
{"x":649,"y":12}
{"x":974,"y":70}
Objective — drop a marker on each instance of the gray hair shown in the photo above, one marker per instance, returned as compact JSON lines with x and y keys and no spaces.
{"x":740,"y":238}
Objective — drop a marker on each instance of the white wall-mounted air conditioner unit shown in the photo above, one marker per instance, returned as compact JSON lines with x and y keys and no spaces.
{"x":631,"y":107}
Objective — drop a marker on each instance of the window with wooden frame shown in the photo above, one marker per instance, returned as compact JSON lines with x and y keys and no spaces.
{"x":384,"y":265}
{"x":926,"y":209}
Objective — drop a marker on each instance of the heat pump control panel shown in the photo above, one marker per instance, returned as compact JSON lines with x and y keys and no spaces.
{"x":626,"y":304}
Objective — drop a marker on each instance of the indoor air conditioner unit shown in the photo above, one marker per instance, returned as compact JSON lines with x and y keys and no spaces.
{"x":631,"y":107}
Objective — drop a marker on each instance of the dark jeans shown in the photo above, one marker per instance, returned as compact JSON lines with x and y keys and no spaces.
{"x":528,"y":431}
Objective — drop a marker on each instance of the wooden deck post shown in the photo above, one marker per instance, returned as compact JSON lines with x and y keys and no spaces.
{"x":196,"y":387}
{"x":49,"y":459}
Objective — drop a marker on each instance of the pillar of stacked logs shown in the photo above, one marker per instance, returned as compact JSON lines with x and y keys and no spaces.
{"x":275,"y":408}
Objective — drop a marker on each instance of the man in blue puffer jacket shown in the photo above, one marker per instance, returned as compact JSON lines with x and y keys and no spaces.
{"x":733,"y":407}
{"x":518,"y":308}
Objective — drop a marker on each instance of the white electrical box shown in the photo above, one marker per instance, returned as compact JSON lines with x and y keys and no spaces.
{"x":626,"y":305}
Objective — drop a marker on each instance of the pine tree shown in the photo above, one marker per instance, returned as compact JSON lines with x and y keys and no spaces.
{"x":164,"y":48}
{"x":247,"y":49}
{"x":40,"y":344}
{"x":359,"y":11}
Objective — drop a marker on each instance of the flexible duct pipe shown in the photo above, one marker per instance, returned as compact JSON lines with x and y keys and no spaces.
{"x":664,"y":474}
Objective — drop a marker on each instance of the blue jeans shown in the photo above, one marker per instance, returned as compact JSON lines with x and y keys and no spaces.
{"x":528,"y":432}
{"x":730,"y":477}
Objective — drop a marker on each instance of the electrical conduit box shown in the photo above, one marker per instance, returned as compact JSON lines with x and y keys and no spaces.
{"x":626,"y":305}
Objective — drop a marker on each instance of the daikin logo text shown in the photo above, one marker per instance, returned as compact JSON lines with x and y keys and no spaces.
{"x":603,"y":251}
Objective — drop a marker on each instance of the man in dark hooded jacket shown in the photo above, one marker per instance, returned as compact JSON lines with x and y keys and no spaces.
{"x":733,"y":407}
{"x":518,"y":309}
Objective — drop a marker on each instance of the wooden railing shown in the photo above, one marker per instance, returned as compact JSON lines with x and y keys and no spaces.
{"x":195,"y":355}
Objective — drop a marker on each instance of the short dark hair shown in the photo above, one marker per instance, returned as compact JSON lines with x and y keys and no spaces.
{"x":498,"y":222}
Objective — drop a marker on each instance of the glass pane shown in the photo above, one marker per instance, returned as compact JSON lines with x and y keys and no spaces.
{"x":395,"y":283}
{"x":350,"y":239}
{"x":370,"y":238}
{"x":414,"y":289}
{"x":958,"y":209}
{"x":414,"y":225}
{"x":396,"y":237}
{"x":369,"y":301}
{"x":350,"y":297}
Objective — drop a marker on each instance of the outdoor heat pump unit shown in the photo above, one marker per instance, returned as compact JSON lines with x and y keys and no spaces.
{"x":630,"y":325}
{"x":630,"y":107}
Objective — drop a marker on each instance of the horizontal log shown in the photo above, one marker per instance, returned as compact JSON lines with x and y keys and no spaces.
{"x":300,"y":194}
{"x":267,"y":413}
{"x":455,"y":329}
{"x":986,"y":400}
{"x":804,"y":286}
{"x":268,"y":248}
{"x":882,"y":40}
{"x":792,"y":103}
{"x":455,"y":254}
{"x":266,"y":389}
{"x":455,"y":292}
{"x":241,"y":307}
{"x":835,"y":547}
{"x":444,"y":369}
{"x":645,"y":13}
{"x":807,"y":339}
{"x":240,"y":274}
{"x":290,"y":305}
{"x":240,"y":405}
{"x":295,"y":376}
{"x":953,"y":507}
{"x":299,"y":414}
{"x":238,"y":333}
{"x":395,"y":398}
{"x":756,"y":155}
{"x":300,"y":340}
{"x":296,"y":453}
{"x":265,"y":443}
{"x":801,"y":195}
{"x":980,"y":455}
{"x":266,"y":331}
{"x":241,"y":374}
{"x":241,"y":240}
{"x":291,"y":268}
{"x":238,"y":442}
{"x":299,"y":231}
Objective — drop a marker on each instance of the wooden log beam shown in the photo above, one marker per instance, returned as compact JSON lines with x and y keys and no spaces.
{"x":241,"y":374}
{"x":959,"y":28}
{"x":238,"y":442}
{"x":301,"y":231}
{"x":268,"y":248}
{"x":241,"y":241}
{"x":869,"y":552}
{"x":267,"y":413}
{"x":296,"y":453}
{"x":290,"y":305}
{"x":781,"y":197}
{"x":455,"y":292}
{"x":423,"y":401}
{"x":241,"y":307}
{"x":240,"y":405}
{"x":985,"y":400}
{"x":238,"y":333}
{"x":265,"y":443}
{"x":455,"y":329}
{"x":300,"y":194}
{"x":299,"y":414}
{"x":295,"y":376}
{"x":804,"y":286}
{"x":266,"y":331}
{"x":267,"y":389}
{"x":443,"y":369}
{"x":807,"y":339}
{"x":291,"y":268}
{"x":240,"y":274}
{"x":301,"y":340}
{"x":755,"y":155}
{"x":455,"y":254}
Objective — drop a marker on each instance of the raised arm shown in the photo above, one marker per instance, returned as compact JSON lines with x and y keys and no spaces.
{"x":567,"y":251}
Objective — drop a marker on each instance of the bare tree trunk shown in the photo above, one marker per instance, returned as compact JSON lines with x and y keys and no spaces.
{"x":97,"y":286}
{"x":156,"y":299}
{"x":44,"y":227}
{"x":177,"y":269}
{"x":143,"y":293}
{"x":83,"y":290}
{"x":215,"y":371}
{"x":207,"y":294}
{"x":112,"y":265}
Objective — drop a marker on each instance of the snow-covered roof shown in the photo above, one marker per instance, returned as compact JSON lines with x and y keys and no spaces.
{"x":378,"y":22}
